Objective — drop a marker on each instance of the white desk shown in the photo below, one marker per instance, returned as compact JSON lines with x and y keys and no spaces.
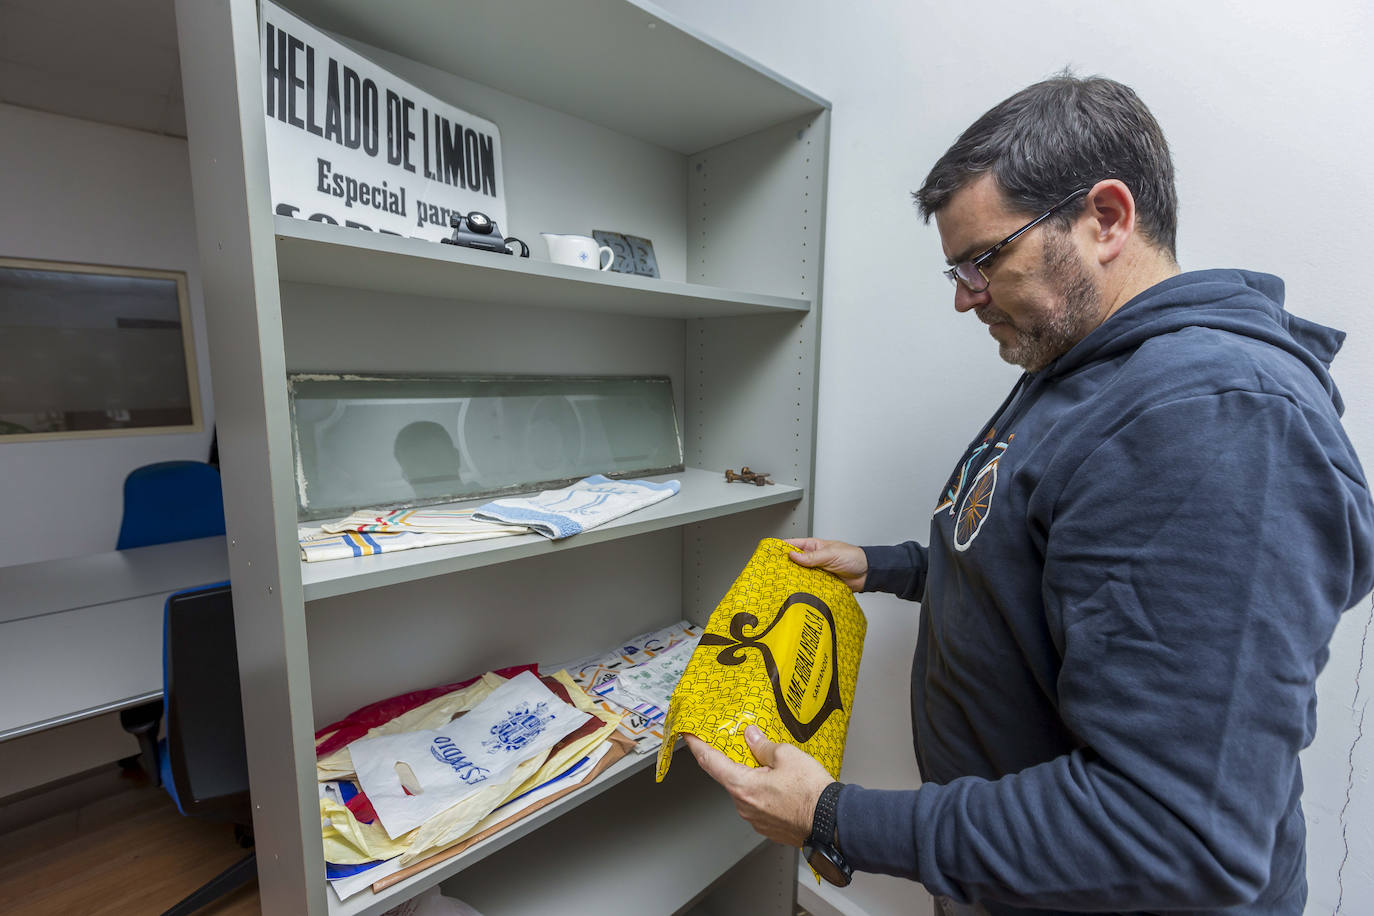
{"x":83,"y":636}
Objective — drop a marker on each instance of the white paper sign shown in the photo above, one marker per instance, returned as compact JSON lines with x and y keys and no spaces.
{"x":350,"y":144}
{"x":517,"y":720}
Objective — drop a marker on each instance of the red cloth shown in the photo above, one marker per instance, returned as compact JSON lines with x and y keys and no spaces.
{"x":362,"y":808}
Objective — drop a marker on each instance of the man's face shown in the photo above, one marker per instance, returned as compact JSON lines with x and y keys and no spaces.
{"x":1041,"y":299}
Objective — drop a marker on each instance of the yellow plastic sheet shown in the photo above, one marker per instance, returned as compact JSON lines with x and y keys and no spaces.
{"x":348,"y":841}
{"x":781,"y":651}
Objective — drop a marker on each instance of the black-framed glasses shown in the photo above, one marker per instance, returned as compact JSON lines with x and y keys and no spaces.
{"x":970,"y":272}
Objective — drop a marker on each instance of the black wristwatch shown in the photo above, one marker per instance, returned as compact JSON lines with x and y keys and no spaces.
{"x":822,"y":847}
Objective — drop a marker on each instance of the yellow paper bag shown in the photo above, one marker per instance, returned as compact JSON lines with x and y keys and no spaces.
{"x":781,"y":651}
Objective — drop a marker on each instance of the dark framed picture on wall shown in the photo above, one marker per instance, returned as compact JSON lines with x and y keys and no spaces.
{"x":91,"y":350}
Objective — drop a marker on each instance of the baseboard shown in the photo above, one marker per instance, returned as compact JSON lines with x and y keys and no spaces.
{"x":23,"y":809}
{"x":37,"y":760}
{"x":821,"y":899}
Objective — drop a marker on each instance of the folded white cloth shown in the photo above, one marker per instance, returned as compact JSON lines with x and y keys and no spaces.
{"x":366,"y":543}
{"x":371,"y":531}
{"x":438,"y":519}
{"x":580,"y":507}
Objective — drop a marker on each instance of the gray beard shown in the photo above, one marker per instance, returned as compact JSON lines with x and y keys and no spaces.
{"x":1043,"y":339}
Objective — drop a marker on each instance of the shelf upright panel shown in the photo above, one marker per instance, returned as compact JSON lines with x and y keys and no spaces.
{"x":218,"y":42}
{"x":755,"y":220}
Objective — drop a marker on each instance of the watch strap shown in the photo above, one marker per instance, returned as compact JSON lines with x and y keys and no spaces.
{"x":823,"y":821}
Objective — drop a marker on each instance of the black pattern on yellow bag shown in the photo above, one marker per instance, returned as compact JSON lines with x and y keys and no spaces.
{"x":781,"y":651}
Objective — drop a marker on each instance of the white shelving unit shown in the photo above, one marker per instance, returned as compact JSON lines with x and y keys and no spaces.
{"x":612,"y":116}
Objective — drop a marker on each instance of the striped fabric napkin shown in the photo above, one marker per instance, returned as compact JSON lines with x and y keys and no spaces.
{"x":584,"y":505}
{"x":438,"y":519}
{"x":372,"y":531}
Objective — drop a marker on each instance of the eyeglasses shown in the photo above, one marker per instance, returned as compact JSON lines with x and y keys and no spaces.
{"x":970,"y":272}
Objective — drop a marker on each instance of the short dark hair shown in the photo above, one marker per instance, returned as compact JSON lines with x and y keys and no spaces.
{"x":1056,"y":136}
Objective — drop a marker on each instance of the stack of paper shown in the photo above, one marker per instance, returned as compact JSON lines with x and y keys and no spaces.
{"x":647,"y":687}
{"x":596,"y":671}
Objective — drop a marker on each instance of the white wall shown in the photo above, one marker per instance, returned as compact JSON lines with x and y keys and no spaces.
{"x":1267,"y":106}
{"x":73,"y":190}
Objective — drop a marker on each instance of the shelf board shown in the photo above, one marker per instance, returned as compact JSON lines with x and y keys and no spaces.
{"x":585,"y":863}
{"x":368,"y":903}
{"x":313,"y":252}
{"x":597,"y":60}
{"x":704,"y":495}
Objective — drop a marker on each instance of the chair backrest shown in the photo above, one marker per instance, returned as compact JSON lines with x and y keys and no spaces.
{"x":171,"y":501}
{"x":205,"y":744}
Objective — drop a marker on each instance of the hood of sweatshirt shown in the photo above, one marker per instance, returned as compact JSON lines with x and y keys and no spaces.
{"x":1239,"y":302}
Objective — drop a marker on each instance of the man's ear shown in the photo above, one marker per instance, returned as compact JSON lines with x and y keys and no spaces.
{"x":1109,"y":218}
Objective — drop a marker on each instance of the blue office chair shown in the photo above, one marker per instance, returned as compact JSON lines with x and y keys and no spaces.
{"x":202,"y":761}
{"x":164,"y":502}
{"x":171,"y":501}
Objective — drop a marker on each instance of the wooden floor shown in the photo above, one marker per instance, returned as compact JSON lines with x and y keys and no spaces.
{"x":127,"y":854}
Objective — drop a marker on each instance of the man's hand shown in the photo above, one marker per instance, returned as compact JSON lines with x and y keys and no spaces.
{"x":778,"y":799}
{"x":844,"y":560}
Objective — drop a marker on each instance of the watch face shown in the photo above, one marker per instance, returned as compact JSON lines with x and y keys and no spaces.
{"x":828,"y":864}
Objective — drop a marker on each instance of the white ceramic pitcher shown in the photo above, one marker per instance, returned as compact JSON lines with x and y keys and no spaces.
{"x":578,"y":250}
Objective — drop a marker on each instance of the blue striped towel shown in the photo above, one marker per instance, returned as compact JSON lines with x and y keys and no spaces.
{"x":584,"y":505}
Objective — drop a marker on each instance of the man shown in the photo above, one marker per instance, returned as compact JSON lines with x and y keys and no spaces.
{"x":1132,"y":574}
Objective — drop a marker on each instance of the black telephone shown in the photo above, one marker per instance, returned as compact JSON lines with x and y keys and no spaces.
{"x":477,"y":230}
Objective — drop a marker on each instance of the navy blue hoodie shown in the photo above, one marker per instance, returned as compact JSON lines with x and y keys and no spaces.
{"x":1133,"y":576}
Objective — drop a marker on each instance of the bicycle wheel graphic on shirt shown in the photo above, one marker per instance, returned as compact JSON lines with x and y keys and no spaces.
{"x":975,"y":508}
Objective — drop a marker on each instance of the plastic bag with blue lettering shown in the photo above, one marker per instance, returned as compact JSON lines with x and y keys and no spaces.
{"x":411,"y":777}
{"x":457,"y":822}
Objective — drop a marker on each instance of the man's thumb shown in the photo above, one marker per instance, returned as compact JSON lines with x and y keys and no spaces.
{"x":763,"y":749}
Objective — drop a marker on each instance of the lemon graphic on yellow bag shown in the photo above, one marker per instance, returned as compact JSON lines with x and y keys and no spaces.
{"x":781,"y":651}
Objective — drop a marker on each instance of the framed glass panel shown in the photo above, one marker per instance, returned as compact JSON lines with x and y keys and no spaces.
{"x":389,"y":440}
{"x":87,"y":350}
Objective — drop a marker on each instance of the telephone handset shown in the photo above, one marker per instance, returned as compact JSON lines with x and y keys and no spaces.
{"x":477,"y":230}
